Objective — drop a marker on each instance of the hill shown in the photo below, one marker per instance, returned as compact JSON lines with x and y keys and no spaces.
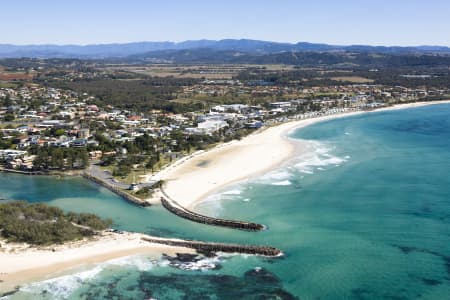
{"x":300,"y":58}
{"x":240,"y":45}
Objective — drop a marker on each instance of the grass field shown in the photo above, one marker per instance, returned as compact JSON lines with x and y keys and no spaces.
{"x":5,"y":76}
{"x":194,"y":71}
{"x":355,"y":79}
{"x":7,"y":84}
{"x":181,"y":71}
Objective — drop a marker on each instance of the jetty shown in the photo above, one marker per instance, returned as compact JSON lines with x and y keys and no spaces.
{"x":209,"y":247}
{"x":175,"y":208}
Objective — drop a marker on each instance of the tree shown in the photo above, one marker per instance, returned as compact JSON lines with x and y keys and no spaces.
{"x":7,"y":101}
{"x":151,"y":162}
{"x":39,"y":224}
{"x":84,"y":157}
{"x":59,"y":132}
{"x":122,"y":170}
{"x":9,"y":117}
{"x":42,"y":159}
{"x":57,"y":159}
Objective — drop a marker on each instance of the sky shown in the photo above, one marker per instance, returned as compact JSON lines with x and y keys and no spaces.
{"x":341,"y":22}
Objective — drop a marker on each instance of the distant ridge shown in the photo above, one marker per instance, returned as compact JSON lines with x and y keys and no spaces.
{"x":117,"y":50}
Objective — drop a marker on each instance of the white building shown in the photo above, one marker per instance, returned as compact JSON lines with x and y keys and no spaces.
{"x":211,"y":126}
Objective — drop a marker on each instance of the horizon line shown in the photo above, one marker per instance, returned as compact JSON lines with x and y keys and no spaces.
{"x":216,"y":40}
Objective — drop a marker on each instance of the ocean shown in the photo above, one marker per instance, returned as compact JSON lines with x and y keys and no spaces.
{"x":364,"y":215}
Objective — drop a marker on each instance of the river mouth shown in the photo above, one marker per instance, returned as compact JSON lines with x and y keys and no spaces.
{"x":366,"y":216}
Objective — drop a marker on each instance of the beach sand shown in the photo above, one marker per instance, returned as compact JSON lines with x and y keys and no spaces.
{"x":192,"y":179}
{"x":20,"y":264}
{"x":188,"y":181}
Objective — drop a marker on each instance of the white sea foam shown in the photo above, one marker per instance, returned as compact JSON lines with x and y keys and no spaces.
{"x":232,"y":192}
{"x":62,"y":287}
{"x":141,"y":263}
{"x":200,"y":265}
{"x":284,"y":182}
{"x":211,"y":205}
{"x":318,"y":159}
{"x":280,"y":175}
{"x":306,"y":170}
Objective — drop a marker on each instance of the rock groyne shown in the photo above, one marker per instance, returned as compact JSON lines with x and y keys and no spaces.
{"x":182,"y":212}
{"x":206,"y":247}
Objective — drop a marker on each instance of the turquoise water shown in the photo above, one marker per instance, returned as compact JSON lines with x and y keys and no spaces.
{"x":364,"y":215}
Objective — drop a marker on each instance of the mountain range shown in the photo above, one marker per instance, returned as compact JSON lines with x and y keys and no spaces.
{"x":245,"y":46}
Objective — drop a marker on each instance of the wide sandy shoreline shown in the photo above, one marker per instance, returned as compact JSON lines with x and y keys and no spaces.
{"x":192,"y":180}
{"x":20,"y":264}
{"x":188,"y":182}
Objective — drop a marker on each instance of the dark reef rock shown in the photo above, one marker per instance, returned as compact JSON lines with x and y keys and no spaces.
{"x":194,"y":262}
{"x":431,"y":282}
{"x":255,"y":284}
{"x":261,"y":275}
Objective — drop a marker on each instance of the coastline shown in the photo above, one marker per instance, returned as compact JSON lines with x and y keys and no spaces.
{"x":267,"y":149}
{"x":189,"y":182}
{"x":176,"y":175}
{"x":21,"y":264}
{"x":204,"y":174}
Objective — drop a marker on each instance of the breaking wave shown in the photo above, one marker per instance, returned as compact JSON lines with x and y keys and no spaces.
{"x":277,"y":176}
{"x":212,"y":205}
{"x":284,"y":182}
{"x":318,"y":159}
{"x":64,"y":287}
{"x":232,"y":192}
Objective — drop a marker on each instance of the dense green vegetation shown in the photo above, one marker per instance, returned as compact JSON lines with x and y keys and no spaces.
{"x":40,"y":224}
{"x":305,"y":58}
{"x":137,"y":94}
{"x":147,"y":152}
{"x":60,"y":158}
{"x":141,"y":92}
{"x":433,"y":77}
{"x":376,"y":56}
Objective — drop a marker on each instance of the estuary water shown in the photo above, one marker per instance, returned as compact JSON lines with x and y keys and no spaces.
{"x":364,"y":215}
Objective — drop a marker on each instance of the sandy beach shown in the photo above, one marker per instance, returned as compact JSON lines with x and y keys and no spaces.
{"x":192,"y":179}
{"x":20,"y":264}
{"x":188,"y":181}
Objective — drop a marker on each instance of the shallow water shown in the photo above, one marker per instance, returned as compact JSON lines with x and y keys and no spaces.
{"x":366,"y":215}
